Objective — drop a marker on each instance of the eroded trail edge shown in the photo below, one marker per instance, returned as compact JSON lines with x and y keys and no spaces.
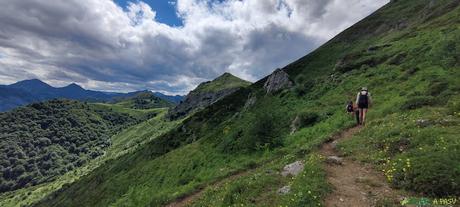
{"x":354,"y":184}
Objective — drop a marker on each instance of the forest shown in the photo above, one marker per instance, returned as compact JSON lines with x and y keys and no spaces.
{"x":43,"y":140}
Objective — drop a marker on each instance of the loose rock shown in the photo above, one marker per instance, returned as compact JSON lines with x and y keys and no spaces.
{"x":334,"y":160}
{"x":293,"y":169}
{"x":284,"y":190}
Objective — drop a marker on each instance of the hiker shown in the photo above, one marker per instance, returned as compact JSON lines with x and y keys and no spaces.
{"x":353,"y":110}
{"x":363,"y":99}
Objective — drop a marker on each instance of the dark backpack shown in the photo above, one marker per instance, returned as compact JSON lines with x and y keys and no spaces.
{"x":350,"y":108}
{"x":363,"y":99}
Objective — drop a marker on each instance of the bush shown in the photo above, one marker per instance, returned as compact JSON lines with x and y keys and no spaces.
{"x":262,"y":134}
{"x":308,"y":118}
{"x":303,"y":85}
{"x":437,"y":87}
{"x":418,"y":102}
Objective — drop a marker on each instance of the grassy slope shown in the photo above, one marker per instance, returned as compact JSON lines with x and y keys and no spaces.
{"x":124,"y":142}
{"x":145,"y":100}
{"x":210,"y":144}
{"x":222,"y":82}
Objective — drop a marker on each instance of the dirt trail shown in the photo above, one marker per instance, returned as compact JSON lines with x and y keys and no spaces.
{"x":355,"y":184}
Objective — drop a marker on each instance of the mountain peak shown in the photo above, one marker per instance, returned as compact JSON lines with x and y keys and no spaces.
{"x":31,"y":84}
{"x":224,"y":81}
{"x":74,"y":85}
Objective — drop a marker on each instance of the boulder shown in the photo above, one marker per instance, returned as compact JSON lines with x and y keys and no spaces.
{"x":277,"y":81}
{"x":293,"y":169}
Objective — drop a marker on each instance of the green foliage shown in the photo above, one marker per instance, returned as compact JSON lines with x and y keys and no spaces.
{"x":303,"y":87}
{"x":44,"y":140}
{"x":263,"y":133}
{"x":308,"y":118}
{"x":418,"y":102}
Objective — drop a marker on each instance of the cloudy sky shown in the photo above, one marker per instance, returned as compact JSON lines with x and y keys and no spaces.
{"x":168,"y":46}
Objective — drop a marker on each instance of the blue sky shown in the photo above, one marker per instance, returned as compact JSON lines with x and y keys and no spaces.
{"x":105,"y":45}
{"x":165,"y":10}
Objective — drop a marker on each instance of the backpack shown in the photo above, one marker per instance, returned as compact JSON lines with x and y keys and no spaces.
{"x":363,"y":98}
{"x":349,"y":108}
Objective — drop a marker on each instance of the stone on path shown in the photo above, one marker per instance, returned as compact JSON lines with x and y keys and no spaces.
{"x":334,"y":160}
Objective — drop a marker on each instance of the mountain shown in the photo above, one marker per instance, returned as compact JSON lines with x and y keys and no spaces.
{"x":30,"y":91}
{"x":207,"y":93}
{"x":174,"y":99}
{"x":235,"y":151}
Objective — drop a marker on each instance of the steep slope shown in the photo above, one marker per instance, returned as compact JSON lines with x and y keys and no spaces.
{"x":207,"y":93}
{"x":406,"y":53}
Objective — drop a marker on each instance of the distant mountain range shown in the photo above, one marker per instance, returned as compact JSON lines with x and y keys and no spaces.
{"x":29,"y":91}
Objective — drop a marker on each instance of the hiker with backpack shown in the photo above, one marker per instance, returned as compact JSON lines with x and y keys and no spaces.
{"x":363,"y":99}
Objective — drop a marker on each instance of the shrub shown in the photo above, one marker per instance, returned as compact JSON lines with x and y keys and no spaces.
{"x":308,"y":118}
{"x":437,"y":87}
{"x":262,"y":134}
{"x":303,"y":88}
{"x":418,"y":102}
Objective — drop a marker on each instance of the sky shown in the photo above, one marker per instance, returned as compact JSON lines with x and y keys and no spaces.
{"x":168,"y":46}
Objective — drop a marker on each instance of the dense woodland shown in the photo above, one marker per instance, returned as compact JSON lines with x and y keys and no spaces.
{"x":43,"y":140}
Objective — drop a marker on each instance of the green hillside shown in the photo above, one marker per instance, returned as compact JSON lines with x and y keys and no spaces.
{"x":44,"y":140}
{"x":225,"y":81}
{"x":122,"y":142}
{"x":407,"y":54}
{"x":144,"y":100}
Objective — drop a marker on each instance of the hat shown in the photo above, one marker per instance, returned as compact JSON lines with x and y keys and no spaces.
{"x":364,"y":89}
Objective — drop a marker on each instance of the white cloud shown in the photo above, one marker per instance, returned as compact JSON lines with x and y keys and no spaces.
{"x":101,"y":46}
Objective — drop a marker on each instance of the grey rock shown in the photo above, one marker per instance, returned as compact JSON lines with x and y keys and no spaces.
{"x":250,"y":101}
{"x":334,"y":160}
{"x":284,"y":190}
{"x":334,"y":144}
{"x":293,"y":169}
{"x":295,"y":124}
{"x":277,"y":81}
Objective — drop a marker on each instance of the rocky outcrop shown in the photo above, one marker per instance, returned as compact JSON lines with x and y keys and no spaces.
{"x":196,"y":101}
{"x":277,"y":81}
{"x":250,"y":101}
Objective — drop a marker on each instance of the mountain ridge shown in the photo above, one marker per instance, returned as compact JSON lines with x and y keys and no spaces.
{"x":34,"y":90}
{"x":207,"y":93}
